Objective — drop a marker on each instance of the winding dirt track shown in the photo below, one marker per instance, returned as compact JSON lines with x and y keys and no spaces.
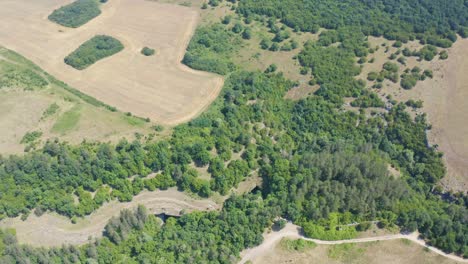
{"x":293,"y":231}
{"x":54,"y":230}
{"x":158,"y":87}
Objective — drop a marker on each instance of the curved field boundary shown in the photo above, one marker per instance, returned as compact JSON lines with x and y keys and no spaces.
{"x":159,"y":87}
{"x":292,"y":231}
{"x":55,"y":230}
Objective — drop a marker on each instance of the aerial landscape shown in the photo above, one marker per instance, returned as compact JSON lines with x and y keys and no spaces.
{"x":233,"y":131}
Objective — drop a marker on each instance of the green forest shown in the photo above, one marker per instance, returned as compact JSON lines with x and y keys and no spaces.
{"x":77,"y":13}
{"x":320,"y":165}
{"x":93,"y":50}
{"x":430,"y":21}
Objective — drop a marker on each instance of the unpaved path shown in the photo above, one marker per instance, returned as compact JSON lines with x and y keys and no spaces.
{"x":293,"y":231}
{"x":54,"y":230}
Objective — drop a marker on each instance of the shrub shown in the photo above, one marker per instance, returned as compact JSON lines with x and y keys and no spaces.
{"x":52,"y":109}
{"x":364,"y":226}
{"x":443,"y":55}
{"x":279,"y":224}
{"x":30,"y":137}
{"x":148,"y":51}
{"x":372,"y":76}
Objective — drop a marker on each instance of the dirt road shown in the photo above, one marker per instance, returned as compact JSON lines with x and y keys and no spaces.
{"x":293,"y":231}
{"x":54,"y":230}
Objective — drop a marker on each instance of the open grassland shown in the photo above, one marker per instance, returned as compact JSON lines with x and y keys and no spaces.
{"x":53,"y":109}
{"x":158,"y":87}
{"x":382,"y":252}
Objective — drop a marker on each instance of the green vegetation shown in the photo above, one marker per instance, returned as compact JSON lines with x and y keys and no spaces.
{"x":443,"y":55}
{"x":67,"y":121}
{"x":368,"y":99}
{"x":14,"y":76}
{"x":148,"y":51}
{"x":30,"y":137}
{"x":322,"y":167}
{"x":76,"y":14}
{"x":300,"y":245}
{"x":51,"y":110}
{"x":93,"y":50}
{"x":211,"y":49}
{"x":432,"y":22}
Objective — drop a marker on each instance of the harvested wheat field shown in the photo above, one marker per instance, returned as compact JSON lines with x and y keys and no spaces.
{"x":158,"y":87}
{"x":54,"y":230}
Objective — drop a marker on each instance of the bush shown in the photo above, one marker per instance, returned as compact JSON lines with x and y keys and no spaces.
{"x":372,"y":76}
{"x":408,"y":81}
{"x":93,"y":50}
{"x":30,"y":137}
{"x":443,"y":55}
{"x":148,"y":51}
{"x":279,"y":224}
{"x":76,"y":14}
{"x":414,"y":104}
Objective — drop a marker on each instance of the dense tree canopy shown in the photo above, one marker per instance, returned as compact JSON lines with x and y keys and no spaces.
{"x":97,"y":48}
{"x":76,"y":14}
{"x":211,"y":49}
{"x":432,"y":21}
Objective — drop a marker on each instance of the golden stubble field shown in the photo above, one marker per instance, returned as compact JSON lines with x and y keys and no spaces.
{"x":158,"y":87}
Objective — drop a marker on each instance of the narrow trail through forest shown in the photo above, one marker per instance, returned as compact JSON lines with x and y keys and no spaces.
{"x":293,"y":231}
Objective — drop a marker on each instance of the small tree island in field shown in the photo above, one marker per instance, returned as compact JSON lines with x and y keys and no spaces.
{"x":148,"y":51}
{"x":93,"y":50}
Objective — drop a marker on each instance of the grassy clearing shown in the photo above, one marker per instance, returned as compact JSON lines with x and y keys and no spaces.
{"x":13,"y":75}
{"x":68,"y":121}
{"x":51,"y":110}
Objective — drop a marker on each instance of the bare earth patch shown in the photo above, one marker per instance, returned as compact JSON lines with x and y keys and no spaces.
{"x":54,"y":230}
{"x":158,"y":87}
